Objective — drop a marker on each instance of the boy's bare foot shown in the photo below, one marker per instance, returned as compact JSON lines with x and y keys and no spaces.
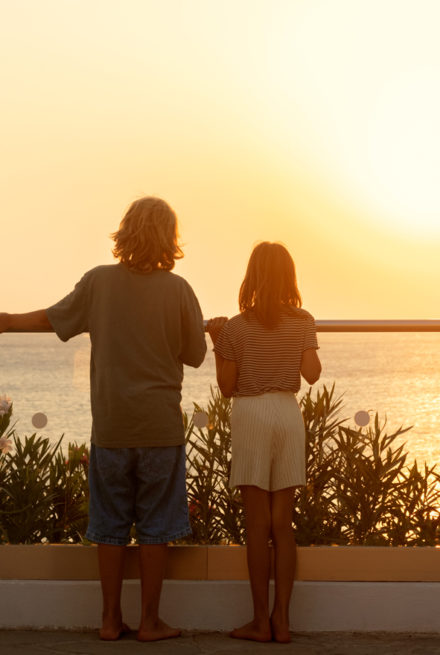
{"x":280,"y":631}
{"x":254,"y":630}
{"x":111,"y":631}
{"x":155,"y":630}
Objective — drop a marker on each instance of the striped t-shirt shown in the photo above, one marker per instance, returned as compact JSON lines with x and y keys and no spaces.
{"x":267,"y":359}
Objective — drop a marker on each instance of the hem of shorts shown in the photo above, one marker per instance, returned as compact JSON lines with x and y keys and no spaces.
{"x":150,"y":541}
{"x":144,"y":541}
{"x":232,"y":485}
{"x":109,"y":541}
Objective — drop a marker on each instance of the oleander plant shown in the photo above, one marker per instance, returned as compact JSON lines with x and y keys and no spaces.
{"x":361,"y":487}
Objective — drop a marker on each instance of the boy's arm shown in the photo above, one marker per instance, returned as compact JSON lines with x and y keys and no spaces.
{"x":30,"y":322}
{"x":193,"y":348}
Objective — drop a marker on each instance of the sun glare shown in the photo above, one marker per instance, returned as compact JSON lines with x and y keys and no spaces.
{"x":403,"y":154}
{"x":364,"y":104}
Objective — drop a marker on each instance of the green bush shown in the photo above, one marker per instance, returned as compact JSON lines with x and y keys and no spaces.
{"x":215,"y":510}
{"x":360,"y":489}
{"x":43,"y":497}
{"x":68,"y":517}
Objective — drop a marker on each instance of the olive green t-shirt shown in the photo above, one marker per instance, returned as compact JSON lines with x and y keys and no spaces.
{"x":143,"y":328}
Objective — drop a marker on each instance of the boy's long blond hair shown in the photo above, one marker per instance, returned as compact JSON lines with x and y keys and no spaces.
{"x":147,"y":236}
{"x":270,"y":285}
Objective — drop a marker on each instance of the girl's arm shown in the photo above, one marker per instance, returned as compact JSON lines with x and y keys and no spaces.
{"x":226,"y":368}
{"x":226,"y":375}
{"x":310,"y":365}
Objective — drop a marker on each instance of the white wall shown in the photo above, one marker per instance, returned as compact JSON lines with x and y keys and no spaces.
{"x":218,"y":605}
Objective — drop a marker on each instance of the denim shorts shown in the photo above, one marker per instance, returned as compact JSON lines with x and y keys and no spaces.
{"x":141,"y":486}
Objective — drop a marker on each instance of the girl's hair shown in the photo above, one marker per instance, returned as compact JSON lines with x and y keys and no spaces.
{"x":269,"y":286}
{"x":147,"y":236}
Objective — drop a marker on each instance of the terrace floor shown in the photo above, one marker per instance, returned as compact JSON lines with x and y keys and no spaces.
{"x":30,"y":642}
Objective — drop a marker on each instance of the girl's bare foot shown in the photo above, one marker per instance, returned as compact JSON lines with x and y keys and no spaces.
{"x":280,"y":631}
{"x":112,"y":631}
{"x":155,"y":630}
{"x":255,"y":630}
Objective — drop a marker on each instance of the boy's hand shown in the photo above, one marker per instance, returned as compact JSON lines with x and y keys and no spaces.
{"x":5,"y":321}
{"x":214,"y":327}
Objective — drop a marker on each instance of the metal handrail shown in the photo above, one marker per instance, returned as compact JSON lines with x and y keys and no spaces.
{"x":378,"y":326}
{"x":358,"y":326}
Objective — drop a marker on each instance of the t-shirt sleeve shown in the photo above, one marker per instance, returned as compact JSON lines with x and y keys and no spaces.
{"x":193,"y":334}
{"x":310,"y":338}
{"x":69,"y":316}
{"x":224,"y":346}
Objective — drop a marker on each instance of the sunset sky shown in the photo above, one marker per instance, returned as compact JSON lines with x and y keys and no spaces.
{"x":311,"y":122}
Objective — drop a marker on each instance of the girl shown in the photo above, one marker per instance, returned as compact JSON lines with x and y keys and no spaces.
{"x":260,"y":355}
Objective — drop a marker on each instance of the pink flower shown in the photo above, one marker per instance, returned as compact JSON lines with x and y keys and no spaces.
{"x":5,"y":445}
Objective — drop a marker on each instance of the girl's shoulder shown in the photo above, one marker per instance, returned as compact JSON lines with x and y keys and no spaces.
{"x":248,"y":320}
{"x":298,"y":313}
{"x":240,"y":325}
{"x":236,"y":322}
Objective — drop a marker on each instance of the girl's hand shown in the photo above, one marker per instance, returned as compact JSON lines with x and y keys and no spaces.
{"x":214,"y":327}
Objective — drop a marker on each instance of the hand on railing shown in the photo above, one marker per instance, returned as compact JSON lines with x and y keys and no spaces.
{"x":4,"y":321}
{"x":214,"y":326}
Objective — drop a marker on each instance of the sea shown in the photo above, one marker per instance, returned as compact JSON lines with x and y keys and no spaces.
{"x":396,"y":375}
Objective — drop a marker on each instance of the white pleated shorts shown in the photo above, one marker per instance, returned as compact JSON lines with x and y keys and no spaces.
{"x":268,"y":441}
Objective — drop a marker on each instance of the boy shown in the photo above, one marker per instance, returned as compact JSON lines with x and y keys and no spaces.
{"x":144,"y":324}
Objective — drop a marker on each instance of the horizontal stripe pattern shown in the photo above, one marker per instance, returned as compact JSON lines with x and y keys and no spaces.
{"x":268,"y":441}
{"x":267,"y":359}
